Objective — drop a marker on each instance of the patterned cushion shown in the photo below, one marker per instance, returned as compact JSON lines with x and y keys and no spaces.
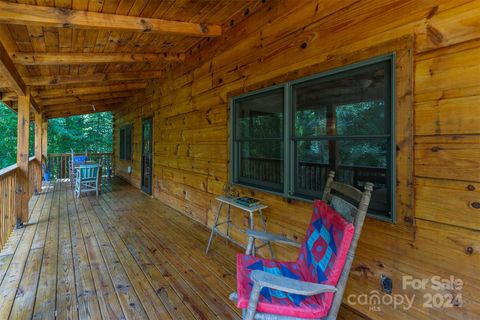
{"x":274,"y":301}
{"x":321,"y":260}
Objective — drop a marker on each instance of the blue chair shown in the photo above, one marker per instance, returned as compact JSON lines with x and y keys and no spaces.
{"x":75,"y":162}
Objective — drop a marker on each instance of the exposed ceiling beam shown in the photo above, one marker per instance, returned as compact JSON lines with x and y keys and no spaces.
{"x":52,"y":93}
{"x":8,"y":96}
{"x":91,"y":97}
{"x":69,"y":106}
{"x":52,"y":58}
{"x":78,"y":111}
{"x":22,"y":14}
{"x":10,"y":73}
{"x":95,"y":77}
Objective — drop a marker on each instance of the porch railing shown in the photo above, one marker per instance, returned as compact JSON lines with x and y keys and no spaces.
{"x":58,"y":163}
{"x":310,"y":175}
{"x":8,"y":185}
{"x":8,"y":188}
{"x":35,"y":172}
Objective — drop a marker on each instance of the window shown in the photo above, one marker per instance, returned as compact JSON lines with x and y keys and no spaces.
{"x":259,"y":139}
{"x":126,"y":142}
{"x":286,"y":138}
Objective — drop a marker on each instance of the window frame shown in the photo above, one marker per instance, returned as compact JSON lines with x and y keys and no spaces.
{"x":289,"y":155}
{"x":123,"y":146}
{"x":235,"y":141}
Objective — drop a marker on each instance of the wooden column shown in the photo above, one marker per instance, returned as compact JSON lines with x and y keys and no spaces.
{"x":38,"y":151}
{"x":22,"y":158}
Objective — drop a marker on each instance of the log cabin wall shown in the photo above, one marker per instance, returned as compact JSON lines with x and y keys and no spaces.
{"x":438,"y":133}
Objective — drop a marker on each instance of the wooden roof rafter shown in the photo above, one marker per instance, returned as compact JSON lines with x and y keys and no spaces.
{"x":89,"y":78}
{"x":71,"y":57}
{"x":54,"y":58}
{"x":87,"y":97}
{"x":8,"y":70}
{"x":23,"y":14}
{"x":53,"y":93}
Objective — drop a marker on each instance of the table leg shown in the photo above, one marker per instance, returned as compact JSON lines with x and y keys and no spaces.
{"x":228,"y":222}
{"x":265,"y":229}
{"x":252,"y":227}
{"x":214,"y":227}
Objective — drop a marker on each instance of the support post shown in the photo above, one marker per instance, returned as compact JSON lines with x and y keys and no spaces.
{"x":38,"y":151}
{"x":22,"y":158}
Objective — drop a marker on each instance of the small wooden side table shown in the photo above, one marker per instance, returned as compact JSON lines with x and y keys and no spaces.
{"x":229,"y":201}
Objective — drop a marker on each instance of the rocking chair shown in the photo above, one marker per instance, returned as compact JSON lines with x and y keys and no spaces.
{"x":311,"y":287}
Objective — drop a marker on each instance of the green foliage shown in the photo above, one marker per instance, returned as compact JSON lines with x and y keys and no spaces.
{"x":8,"y":142}
{"x":92,"y":132}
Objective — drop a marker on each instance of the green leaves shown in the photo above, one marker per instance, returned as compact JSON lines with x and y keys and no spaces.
{"x":92,"y":132}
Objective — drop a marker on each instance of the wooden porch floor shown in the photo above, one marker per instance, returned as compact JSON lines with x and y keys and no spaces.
{"x":123,"y":256}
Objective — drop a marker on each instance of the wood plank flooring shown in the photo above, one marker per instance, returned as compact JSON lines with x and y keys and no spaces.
{"x":121,"y":256}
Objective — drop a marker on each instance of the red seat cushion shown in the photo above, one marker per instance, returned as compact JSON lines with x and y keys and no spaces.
{"x":321,"y":260}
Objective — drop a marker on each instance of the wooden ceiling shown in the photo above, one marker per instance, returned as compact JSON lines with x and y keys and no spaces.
{"x":81,"y":56}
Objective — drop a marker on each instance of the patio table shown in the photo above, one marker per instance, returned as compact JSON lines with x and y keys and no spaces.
{"x":229,"y":202}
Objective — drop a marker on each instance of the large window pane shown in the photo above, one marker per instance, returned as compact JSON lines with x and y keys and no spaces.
{"x":261,"y":163}
{"x":261,"y":115}
{"x":348,"y":103}
{"x":342,"y":123}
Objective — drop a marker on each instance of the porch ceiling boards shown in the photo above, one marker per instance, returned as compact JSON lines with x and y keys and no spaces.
{"x":73,"y":46}
{"x":123,"y":255}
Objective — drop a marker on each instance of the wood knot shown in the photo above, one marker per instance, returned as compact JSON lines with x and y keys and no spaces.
{"x":432,"y":12}
{"x":435,"y":149}
{"x":434,"y":35}
{"x":471,"y":187}
{"x":362,"y":268}
{"x":476,"y":205}
{"x":231,"y":23}
{"x":303,"y":45}
{"x":204,"y":28}
{"x":469,"y":250}
{"x":246,"y":12}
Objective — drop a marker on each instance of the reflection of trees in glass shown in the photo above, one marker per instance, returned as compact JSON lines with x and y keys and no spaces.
{"x":363,"y":118}
{"x":362,"y":153}
{"x":254,"y":124}
{"x":311,"y":122}
{"x":313,"y":151}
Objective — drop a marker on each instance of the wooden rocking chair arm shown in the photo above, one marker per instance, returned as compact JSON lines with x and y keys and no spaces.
{"x":289,"y":285}
{"x":266,"y":236}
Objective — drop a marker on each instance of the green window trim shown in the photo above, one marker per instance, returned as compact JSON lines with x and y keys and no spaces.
{"x":289,"y":138}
